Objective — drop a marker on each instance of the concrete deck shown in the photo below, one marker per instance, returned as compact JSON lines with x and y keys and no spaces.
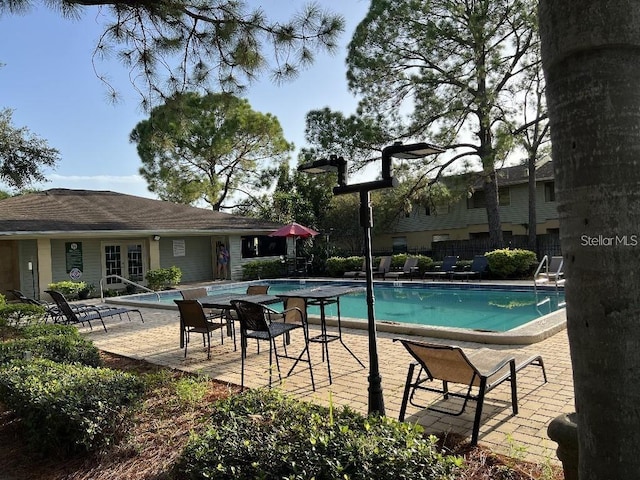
{"x":157,"y":341}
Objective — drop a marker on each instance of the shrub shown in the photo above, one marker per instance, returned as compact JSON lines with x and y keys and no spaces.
{"x":515,"y":263}
{"x":336,"y":266}
{"x":257,"y":269}
{"x":69,"y":408}
{"x":44,"y":329}
{"x":71,"y":290}
{"x":163,"y":277}
{"x":59,"y":348}
{"x":263,"y":434}
{"x":14,"y":314}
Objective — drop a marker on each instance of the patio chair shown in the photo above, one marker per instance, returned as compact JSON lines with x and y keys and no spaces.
{"x":193,"y":319}
{"x":263,"y":323}
{"x":221,"y":316}
{"x":478,"y":372}
{"x":409,"y":268}
{"x":447,"y":268}
{"x":478,"y":268}
{"x":86,"y":313}
{"x":258,"y":289}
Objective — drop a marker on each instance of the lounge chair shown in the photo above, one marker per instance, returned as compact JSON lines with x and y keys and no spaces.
{"x":193,"y":319}
{"x":480,"y":371}
{"x":478,"y":268}
{"x":86,"y":313}
{"x":553,"y":271}
{"x":383,"y":267}
{"x":447,"y":268}
{"x":409,"y":268}
{"x":357,"y":273}
{"x":262,"y":323}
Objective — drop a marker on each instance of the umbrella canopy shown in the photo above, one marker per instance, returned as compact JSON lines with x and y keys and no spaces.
{"x":294,"y":230}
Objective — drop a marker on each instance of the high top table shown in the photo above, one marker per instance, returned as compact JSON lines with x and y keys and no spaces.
{"x":322,"y":296}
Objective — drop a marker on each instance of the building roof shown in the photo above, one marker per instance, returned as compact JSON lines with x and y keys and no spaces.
{"x":64,"y":210}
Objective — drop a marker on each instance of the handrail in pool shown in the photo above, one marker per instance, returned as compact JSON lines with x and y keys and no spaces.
{"x":126,"y":280}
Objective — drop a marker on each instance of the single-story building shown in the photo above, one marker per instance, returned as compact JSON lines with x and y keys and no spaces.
{"x":102,"y":237}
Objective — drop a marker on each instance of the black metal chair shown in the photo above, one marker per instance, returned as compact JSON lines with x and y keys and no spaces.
{"x":212,"y":314}
{"x":193,"y":319}
{"x":263,"y":323}
{"x":480,"y":372}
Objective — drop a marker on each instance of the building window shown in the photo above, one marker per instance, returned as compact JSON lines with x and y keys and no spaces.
{"x":479,"y":199}
{"x":263,"y":246}
{"x":550,"y":192}
{"x":443,"y":237}
{"x":399,"y":244}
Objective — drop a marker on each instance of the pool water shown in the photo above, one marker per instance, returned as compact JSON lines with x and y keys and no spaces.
{"x":469,"y":306}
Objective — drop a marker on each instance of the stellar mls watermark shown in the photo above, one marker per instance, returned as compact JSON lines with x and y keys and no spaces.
{"x":609,"y":241}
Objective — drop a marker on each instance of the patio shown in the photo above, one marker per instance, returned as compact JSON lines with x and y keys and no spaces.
{"x":157,"y":341}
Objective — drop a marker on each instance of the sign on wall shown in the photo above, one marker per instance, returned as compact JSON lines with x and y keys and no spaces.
{"x":73,"y":257}
{"x":179,"y":249}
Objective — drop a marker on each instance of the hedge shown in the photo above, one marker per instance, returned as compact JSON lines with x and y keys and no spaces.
{"x":264,"y":434}
{"x":68,"y":408}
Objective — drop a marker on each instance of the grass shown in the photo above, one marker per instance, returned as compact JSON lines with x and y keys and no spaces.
{"x":177,"y":404}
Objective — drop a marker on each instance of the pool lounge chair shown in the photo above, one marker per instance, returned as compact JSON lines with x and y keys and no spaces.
{"x":479,"y":372}
{"x":357,"y":273}
{"x":445,"y":271}
{"x":409,"y":268}
{"x":478,"y":268}
{"x":70,"y":315}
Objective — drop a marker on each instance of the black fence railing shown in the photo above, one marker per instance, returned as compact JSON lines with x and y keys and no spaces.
{"x":547,"y":244}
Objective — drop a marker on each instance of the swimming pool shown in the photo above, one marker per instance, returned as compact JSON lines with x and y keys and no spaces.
{"x":476,"y":307}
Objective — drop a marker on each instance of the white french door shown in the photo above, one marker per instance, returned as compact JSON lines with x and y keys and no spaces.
{"x":125,"y":259}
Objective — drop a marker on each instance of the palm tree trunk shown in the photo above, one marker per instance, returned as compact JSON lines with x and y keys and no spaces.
{"x":591,"y":56}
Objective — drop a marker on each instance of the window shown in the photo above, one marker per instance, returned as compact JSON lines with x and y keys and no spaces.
{"x":479,"y":199}
{"x":549,"y":192}
{"x":263,"y":246}
{"x":399,"y":244}
{"x":440,"y":238}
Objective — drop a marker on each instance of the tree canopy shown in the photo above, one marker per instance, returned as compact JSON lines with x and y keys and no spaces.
{"x":208,"y":148}
{"x":446,"y":69}
{"x":196,"y":45}
{"x":23,"y":155}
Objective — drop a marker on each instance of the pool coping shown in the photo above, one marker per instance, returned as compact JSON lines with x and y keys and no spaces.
{"x":534,"y":331}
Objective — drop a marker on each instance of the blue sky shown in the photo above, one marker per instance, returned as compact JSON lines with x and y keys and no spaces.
{"x":49,"y":83}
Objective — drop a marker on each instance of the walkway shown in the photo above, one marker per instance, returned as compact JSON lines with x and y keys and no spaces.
{"x":156,"y":340}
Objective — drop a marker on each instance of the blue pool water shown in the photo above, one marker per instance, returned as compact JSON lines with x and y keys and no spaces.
{"x":470,"y":306}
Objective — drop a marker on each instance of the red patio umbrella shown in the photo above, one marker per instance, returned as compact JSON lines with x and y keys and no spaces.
{"x":294,"y":230}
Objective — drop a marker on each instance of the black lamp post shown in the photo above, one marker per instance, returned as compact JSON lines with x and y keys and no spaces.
{"x":339,"y":164}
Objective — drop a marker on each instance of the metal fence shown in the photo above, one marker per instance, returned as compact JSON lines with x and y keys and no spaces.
{"x":547,"y":244}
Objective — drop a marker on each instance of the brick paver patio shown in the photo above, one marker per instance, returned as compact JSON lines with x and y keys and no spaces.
{"x":157,"y":341}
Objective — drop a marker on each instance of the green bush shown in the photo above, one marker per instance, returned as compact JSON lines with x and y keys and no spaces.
{"x":161,"y":278}
{"x":336,"y":266}
{"x":511,"y":263}
{"x":263,"y":434}
{"x":71,"y":290}
{"x":14,"y":314}
{"x":258,"y":269}
{"x":59,"y":348}
{"x":45,"y":329}
{"x":68,"y":408}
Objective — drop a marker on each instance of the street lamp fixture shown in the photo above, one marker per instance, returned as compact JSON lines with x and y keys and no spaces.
{"x":334,"y":163}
